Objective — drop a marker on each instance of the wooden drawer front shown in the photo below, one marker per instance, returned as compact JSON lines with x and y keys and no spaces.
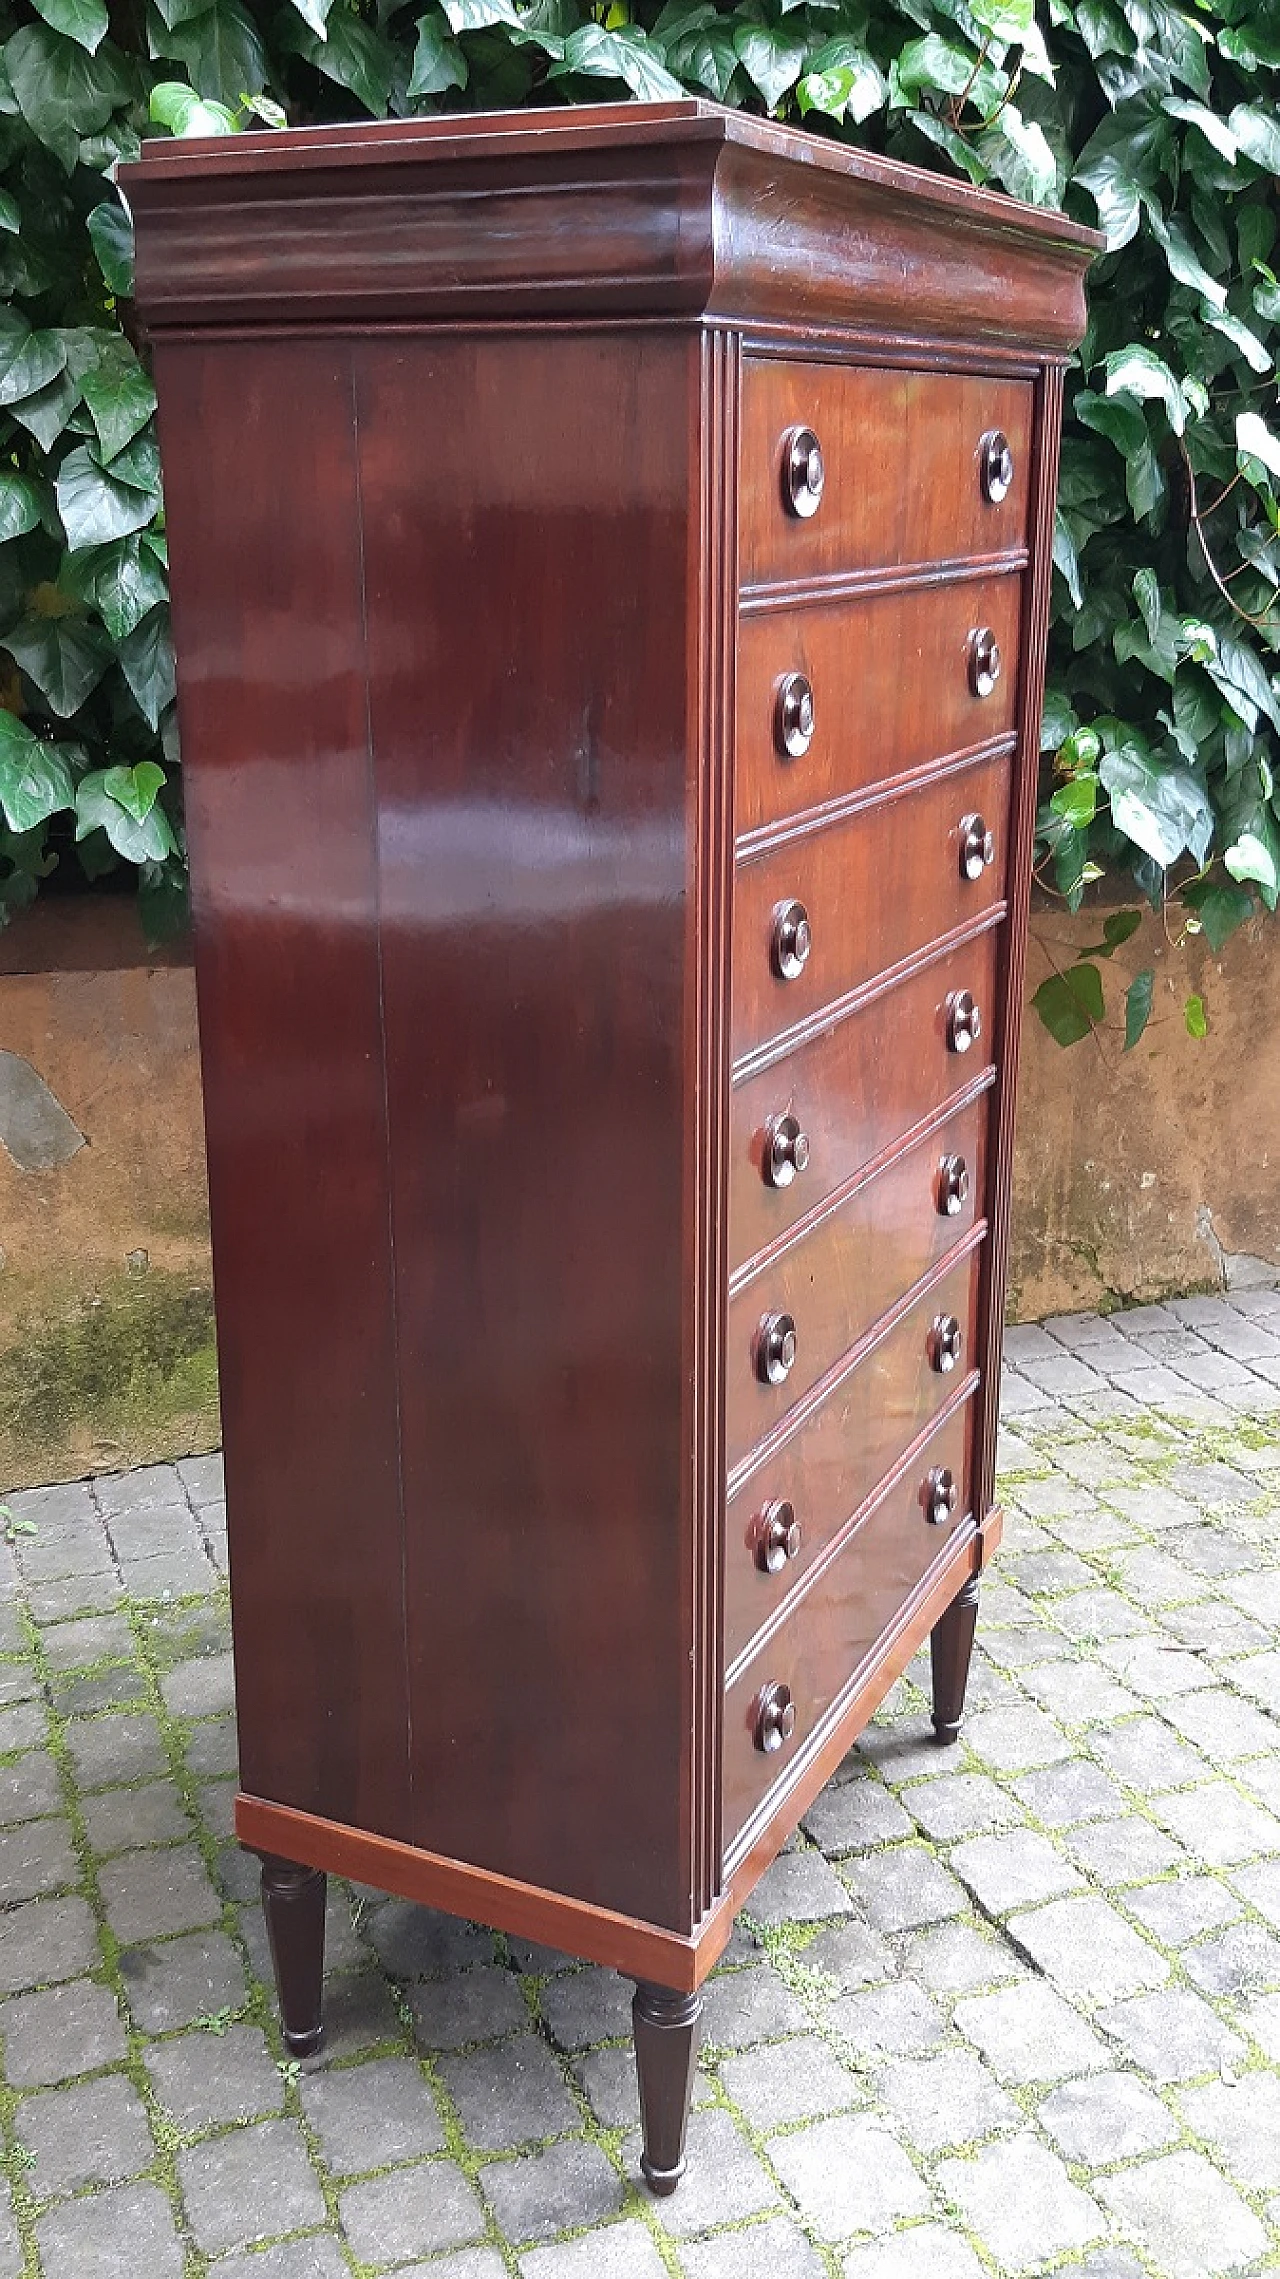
{"x":839,"y":1277}
{"x":819,"y":1647}
{"x":876,"y":889}
{"x":889,"y":676}
{"x":835,"y":1461}
{"x":902,"y":460}
{"x":853,"y":1090}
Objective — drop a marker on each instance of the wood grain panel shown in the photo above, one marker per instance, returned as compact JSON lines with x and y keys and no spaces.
{"x":830,"y":1467}
{"x":890,"y":680}
{"x":530,"y":668}
{"x":878,"y":888}
{"x":854,"y":1089}
{"x":902,"y":468}
{"x":817,"y":1651}
{"x":844,"y":1271}
{"x":263,"y":524}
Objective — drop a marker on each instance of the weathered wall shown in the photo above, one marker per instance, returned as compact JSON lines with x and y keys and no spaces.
{"x":106,"y":1309}
{"x":1137,"y":1174}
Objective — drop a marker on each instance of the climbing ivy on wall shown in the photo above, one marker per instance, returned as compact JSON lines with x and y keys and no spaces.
{"x":1159,"y":123}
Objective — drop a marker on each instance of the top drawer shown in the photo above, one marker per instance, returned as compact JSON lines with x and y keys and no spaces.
{"x":903,"y":462}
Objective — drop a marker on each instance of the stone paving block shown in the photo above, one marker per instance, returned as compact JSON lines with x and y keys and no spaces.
{"x":148,"y":1894}
{"x":112,"y":2235}
{"x":110,"y":1750}
{"x":1175,"y":1913}
{"x":1022,"y":2204}
{"x":1115,"y":1851}
{"x":583,"y":2007}
{"x":71,"y":1595}
{"x":74,"y":1556}
{"x":368,"y":2115}
{"x":253,"y":2184}
{"x":474,"y":2005}
{"x":1258,"y":1675}
{"x":1011,"y":1870}
{"x":469,"y":2263}
{"x":19,"y":1681}
{"x":359,"y":2015}
{"x":570,"y":2184}
{"x":960,"y":1804}
{"x":210,"y":1747}
{"x":1243,"y":1960}
{"x":851,"y":1954}
{"x":957,"y":1958}
{"x":898,"y":1748}
{"x":944,"y":2101}
{"x":141,"y":1490}
{"x":124,"y":1819}
{"x":904,"y":1887}
{"x":1088,"y":1950}
{"x":202,"y":1687}
{"x":36,"y":1856}
{"x":1049,"y":1573}
{"x":29,"y":1789}
{"x":1012,"y":1740}
{"x":46,"y":1940}
{"x":207,"y":2079}
{"x":1219,"y":1825}
{"x":848,"y":2175}
{"x":183,"y":1573}
{"x":81,"y":1693}
{"x":1105,"y":2118}
{"x":69,"y":1506}
{"x":1226,"y":1728}
{"x":1260,"y":1885}
{"x":419,"y":1942}
{"x":1240,"y":2123}
{"x":922,"y":2251}
{"x":623,"y":2251}
{"x":1146,"y":1757}
{"x":775,"y":2249}
{"x":897,"y":2018}
{"x":202,"y":1479}
{"x":1172,"y":2035}
{"x":1062,"y":1795}
{"x":1094,"y":1615}
{"x":796,"y":2080}
{"x":749,"y":2006}
{"x":176,"y":1981}
{"x":59,"y":2033}
{"x":1028,"y":2034}
{"x":849,"y":1815}
{"x":1208,"y":1626}
{"x":802,"y":1887}
{"x":94,"y":2133}
{"x":726,"y":2182}
{"x":412,"y":2211}
{"x":1256,"y":1595}
{"x":317,"y":2256}
{"x":1184,"y":2216}
{"x":100,"y":1638}
{"x":507,"y":2094}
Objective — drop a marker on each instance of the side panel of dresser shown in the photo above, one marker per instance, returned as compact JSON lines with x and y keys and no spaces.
{"x":263,"y":530}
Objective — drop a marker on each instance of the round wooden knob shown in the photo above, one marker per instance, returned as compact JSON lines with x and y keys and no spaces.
{"x":946,"y":1339}
{"x":803,"y":474}
{"x":776,"y":1537}
{"x":792,"y":940}
{"x":995,"y":461}
{"x":773,"y":1718}
{"x":940,"y":1495}
{"x":786,"y":1151}
{"x":984,"y":661}
{"x":977,"y":846}
{"x":793,"y":717}
{"x":953,"y":1186}
{"x":964,"y":1020}
{"x":775,"y":1349}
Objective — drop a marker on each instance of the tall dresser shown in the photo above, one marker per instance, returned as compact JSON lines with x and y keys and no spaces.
{"x":610,"y":555}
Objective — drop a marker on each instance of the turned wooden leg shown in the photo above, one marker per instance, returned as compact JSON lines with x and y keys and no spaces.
{"x":667,"y":2030}
{"x":951,"y":1644}
{"x":293,"y":1903}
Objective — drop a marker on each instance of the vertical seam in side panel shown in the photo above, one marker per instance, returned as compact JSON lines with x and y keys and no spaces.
{"x":411,"y":1830}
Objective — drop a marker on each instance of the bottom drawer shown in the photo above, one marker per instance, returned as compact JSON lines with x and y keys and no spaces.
{"x":816,"y":1650}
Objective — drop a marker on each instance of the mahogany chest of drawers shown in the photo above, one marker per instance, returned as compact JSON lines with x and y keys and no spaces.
{"x":610,"y":556}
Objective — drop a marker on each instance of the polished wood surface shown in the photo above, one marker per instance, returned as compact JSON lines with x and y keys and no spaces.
{"x":856,"y":1088}
{"x":485,"y":585}
{"x":878,"y":887}
{"x":845,"y":1270}
{"x":819,"y":1647}
{"x":901,"y":452}
{"x":891,"y":694}
{"x":832,"y":1462}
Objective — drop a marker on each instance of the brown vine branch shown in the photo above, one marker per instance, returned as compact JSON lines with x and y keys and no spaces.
{"x":1193,"y":503}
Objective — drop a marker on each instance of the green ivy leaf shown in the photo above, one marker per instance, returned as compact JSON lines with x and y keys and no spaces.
{"x":1220,"y":910}
{"x":63,"y":93}
{"x":772,"y":58}
{"x":120,"y":400}
{"x":1164,"y":810}
{"x":625,"y":54}
{"x":65,"y":657}
{"x":146,"y":660}
{"x":1238,"y":672}
{"x":28,"y":360}
{"x":135,"y":788}
{"x":315,"y":14}
{"x":1137,"y":1005}
{"x":181,"y":110}
{"x":111,"y":233}
{"x":438,"y":61}
{"x":1066,"y":559}
{"x":95,"y":507}
{"x":122,"y":580}
{"x":148,"y":840}
{"x":1077,"y":801}
{"x":1137,"y":371}
{"x":85,"y":21}
{"x":1070,"y":1004}
{"x":1196,"y":1018}
{"x":868,"y":89}
{"x":35,"y":781}
{"x":20,"y":505}
{"x":1184,"y":263}
{"x":1257,"y":131}
{"x":1255,"y":439}
{"x":223,"y":53}
{"x":354,"y":55}
{"x":1255,"y":854}
{"x":1118,"y":927}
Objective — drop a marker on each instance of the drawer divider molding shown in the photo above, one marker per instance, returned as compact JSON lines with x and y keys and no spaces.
{"x":853,"y":585}
{"x":826,"y":1017}
{"x":798,"y":1416}
{"x":810,"y":820}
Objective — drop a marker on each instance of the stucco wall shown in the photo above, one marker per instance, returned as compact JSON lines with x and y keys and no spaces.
{"x":1138,"y":1175}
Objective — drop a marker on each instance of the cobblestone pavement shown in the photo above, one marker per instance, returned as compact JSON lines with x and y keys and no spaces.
{"x":1010,"y":2010}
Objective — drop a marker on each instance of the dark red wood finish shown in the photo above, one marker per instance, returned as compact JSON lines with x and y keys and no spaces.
{"x":484,"y":581}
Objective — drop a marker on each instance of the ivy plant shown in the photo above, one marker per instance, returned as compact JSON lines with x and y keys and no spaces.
{"x":1157,"y":123}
